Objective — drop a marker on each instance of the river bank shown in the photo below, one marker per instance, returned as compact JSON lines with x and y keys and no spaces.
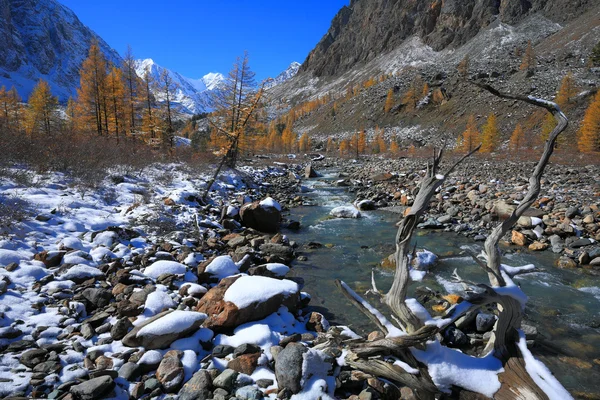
{"x":133,"y":290}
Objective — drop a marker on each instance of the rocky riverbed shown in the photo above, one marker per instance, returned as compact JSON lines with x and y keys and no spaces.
{"x":143,"y":290}
{"x":565,"y":219}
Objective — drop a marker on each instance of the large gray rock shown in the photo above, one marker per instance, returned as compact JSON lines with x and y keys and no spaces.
{"x":197,"y":388}
{"x":130,"y":371}
{"x":288,"y":367}
{"x":94,"y":388}
{"x":97,"y":297}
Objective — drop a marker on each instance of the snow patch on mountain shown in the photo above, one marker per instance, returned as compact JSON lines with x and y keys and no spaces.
{"x":44,"y":39}
{"x":286,"y":75}
{"x":191,"y":95}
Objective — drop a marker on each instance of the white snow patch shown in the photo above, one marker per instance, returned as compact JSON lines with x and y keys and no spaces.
{"x":278,"y":269}
{"x":165,"y":267}
{"x":222,"y":267}
{"x":176,"y":321}
{"x":449,"y":367}
{"x":540,"y":374}
{"x":392,"y":330}
{"x":270,"y":203}
{"x":248,"y":290}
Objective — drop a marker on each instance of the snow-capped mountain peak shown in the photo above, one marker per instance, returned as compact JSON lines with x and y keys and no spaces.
{"x":191,"y":94}
{"x":286,"y":75}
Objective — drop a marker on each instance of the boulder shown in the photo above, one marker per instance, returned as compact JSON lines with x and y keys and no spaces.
{"x":240,"y":299}
{"x":163,"y":329}
{"x":197,"y":388}
{"x":518,"y":238}
{"x":170,"y":371}
{"x":93,"y":389}
{"x":345,"y":212}
{"x":309,"y":172}
{"x":288,"y":367}
{"x":366,"y":205}
{"x":264,"y":216}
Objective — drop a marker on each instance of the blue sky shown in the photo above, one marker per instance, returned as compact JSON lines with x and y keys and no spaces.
{"x":194,"y":37}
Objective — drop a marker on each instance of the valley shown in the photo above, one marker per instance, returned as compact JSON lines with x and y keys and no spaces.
{"x":412,"y":212}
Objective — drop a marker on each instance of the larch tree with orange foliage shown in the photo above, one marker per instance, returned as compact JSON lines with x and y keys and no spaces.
{"x":394,"y":148}
{"x":566,"y":91}
{"x":517,"y":139}
{"x":362,"y":142}
{"x":490,"y":135}
{"x":91,"y":96}
{"x":10,"y":109}
{"x":389,"y":101}
{"x":132,"y":90}
{"x":41,"y":114}
{"x":116,"y":97}
{"x":469,"y":138}
{"x":304,"y":142}
{"x":329,"y":147}
{"x":588,"y":138}
{"x":529,"y":60}
{"x":463,"y":67}
{"x":344,"y":147}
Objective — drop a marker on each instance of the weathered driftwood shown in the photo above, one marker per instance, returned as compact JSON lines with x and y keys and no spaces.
{"x":370,"y":357}
{"x":396,"y":296}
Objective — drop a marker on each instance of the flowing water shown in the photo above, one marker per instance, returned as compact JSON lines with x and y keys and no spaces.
{"x":564,"y":305}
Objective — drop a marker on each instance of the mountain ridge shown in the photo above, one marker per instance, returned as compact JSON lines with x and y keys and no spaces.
{"x":44,"y":39}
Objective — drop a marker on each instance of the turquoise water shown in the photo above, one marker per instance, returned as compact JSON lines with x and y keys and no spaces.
{"x":566,"y":317}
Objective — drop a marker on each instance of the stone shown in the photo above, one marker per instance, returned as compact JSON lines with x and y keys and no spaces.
{"x":130,"y":371}
{"x":33,"y":357}
{"x":444,"y":219}
{"x":226,"y":379}
{"x":94,"y":388}
{"x":87,"y":331}
{"x":580,"y":243}
{"x":139,"y":336}
{"x":484,"y":322}
{"x":222,"y":350}
{"x":170,"y":371}
{"x":278,"y":252}
{"x":366,"y":205}
{"x":97,"y":297}
{"x":455,"y":337}
{"x":249,"y":393}
{"x":246,"y":348}
{"x":309,"y":172}
{"x":572,"y":212}
{"x":120,"y":328}
{"x":198,"y":387}
{"x":566,"y":263}
{"x":260,"y":217}
{"x":244,"y":364}
{"x":518,"y":238}
{"x":317,"y":322}
{"x":288,"y":367}
{"x":223,"y":315}
{"x":538,"y":246}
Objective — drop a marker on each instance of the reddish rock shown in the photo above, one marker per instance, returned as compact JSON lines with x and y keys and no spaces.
{"x":244,"y":364}
{"x":518,"y":238}
{"x":224,"y":315}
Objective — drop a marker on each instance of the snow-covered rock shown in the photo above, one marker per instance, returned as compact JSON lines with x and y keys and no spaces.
{"x":345,"y":212}
{"x":165,"y":267}
{"x":222,"y":267}
{"x":163,"y":329}
{"x":240,"y":299}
